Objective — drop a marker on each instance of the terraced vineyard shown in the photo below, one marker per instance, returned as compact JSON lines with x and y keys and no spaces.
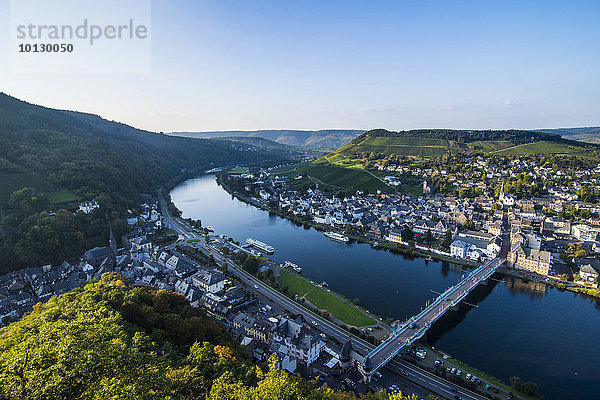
{"x":538,"y":148}
{"x":401,"y":145}
{"x":334,"y":177}
{"x":351,"y":166}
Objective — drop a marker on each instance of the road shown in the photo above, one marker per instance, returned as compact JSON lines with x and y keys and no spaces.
{"x":415,"y":327}
{"x":416,"y":375}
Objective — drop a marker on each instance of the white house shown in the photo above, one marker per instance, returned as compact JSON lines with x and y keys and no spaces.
{"x":208,"y":281}
{"x":584,"y":232}
{"x":88,"y":206}
{"x":459,"y":249}
{"x":264,"y":195}
{"x":172,"y":262}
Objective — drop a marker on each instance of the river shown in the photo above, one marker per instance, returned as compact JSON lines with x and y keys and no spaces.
{"x":516,"y":329}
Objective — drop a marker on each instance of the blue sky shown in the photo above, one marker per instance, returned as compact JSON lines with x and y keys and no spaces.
{"x":219,"y":65}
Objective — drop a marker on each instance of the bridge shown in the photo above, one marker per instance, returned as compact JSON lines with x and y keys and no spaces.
{"x":414,"y":328}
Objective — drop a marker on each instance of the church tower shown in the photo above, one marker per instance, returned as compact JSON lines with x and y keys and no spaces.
{"x":112,"y":241}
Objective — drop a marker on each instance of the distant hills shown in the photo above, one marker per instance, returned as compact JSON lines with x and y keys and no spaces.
{"x":380,"y":143}
{"x":328,"y":140}
{"x":50,"y":160}
{"x":589,"y":134}
{"x":93,"y":156}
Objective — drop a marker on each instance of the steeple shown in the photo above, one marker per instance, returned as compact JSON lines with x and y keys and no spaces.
{"x":112,"y":242}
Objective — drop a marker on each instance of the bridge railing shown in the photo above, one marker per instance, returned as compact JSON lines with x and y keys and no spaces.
{"x":421,"y":330}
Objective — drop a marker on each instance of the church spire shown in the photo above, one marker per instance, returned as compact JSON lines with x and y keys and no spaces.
{"x":112,"y":241}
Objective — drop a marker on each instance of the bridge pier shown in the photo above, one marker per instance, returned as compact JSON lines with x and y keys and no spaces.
{"x":455,"y":307}
{"x":484,"y":282}
{"x":366,"y":370}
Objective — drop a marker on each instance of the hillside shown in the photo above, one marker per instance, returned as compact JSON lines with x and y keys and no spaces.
{"x":93,"y":156}
{"x":50,"y":159}
{"x":431,"y":143}
{"x":354,"y":165}
{"x":110,"y":340}
{"x":588,"y":134}
{"x":328,"y":140}
{"x":260,"y":143}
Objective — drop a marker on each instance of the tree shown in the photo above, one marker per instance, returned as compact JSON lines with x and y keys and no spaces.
{"x":407,"y":234}
{"x":530,"y":388}
{"x":428,"y":236}
{"x":356,"y":301}
{"x":349,"y":229}
{"x":516,"y":383}
{"x":447,"y":239}
{"x":251,"y":265}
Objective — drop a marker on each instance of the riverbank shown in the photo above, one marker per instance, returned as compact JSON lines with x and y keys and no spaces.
{"x":405,"y":250}
{"x":328,"y":301}
{"x":381,"y":243}
{"x":532,"y":277}
{"x":493,"y":337}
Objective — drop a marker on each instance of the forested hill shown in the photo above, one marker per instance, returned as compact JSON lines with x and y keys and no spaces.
{"x":466,"y":136}
{"x":589,"y":134}
{"x":328,"y":139}
{"x":93,"y":156}
{"x":87,"y":157}
{"x":109,"y":340}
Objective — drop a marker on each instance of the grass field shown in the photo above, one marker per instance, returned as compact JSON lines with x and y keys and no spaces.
{"x":489,"y":146}
{"x":9,"y":182}
{"x":296,"y":284}
{"x":238,"y":171}
{"x":62,"y":196}
{"x":538,"y":148}
{"x":324,"y":300}
{"x":332,"y":177}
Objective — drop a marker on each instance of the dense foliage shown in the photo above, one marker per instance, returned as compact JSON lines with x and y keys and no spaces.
{"x":94,"y":156}
{"x":96,"y":159}
{"x":515,"y":136}
{"x":110,"y":340}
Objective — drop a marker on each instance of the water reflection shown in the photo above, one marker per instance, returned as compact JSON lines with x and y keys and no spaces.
{"x":519,"y":328}
{"x":535,"y":289}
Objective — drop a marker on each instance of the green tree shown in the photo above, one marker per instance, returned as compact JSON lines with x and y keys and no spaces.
{"x":447,"y":241}
{"x":251,"y":265}
{"x":428,"y":236}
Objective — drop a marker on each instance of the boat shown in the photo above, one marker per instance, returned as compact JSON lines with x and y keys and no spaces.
{"x":292,"y":266}
{"x":324,"y":284}
{"x":261,"y":246}
{"x":429,"y":258}
{"x":337,"y":236}
{"x":210,"y":229}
